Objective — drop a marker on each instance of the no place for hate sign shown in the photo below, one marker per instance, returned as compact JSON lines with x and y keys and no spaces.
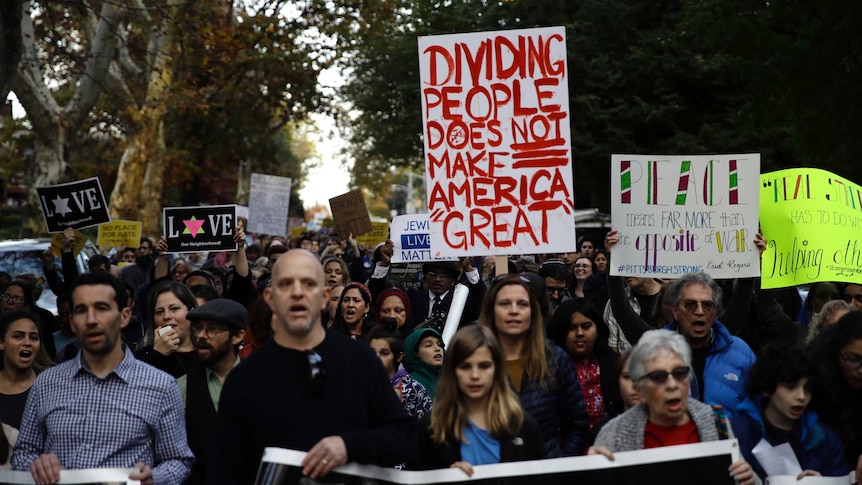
{"x":497,"y":142}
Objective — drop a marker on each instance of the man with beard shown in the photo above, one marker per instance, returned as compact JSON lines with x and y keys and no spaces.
{"x":556,"y":275}
{"x":104,"y":408}
{"x":307,"y":389}
{"x":218,"y":327}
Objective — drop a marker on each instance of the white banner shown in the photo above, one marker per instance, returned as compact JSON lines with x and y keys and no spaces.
{"x":705,"y":463}
{"x":95,"y":476}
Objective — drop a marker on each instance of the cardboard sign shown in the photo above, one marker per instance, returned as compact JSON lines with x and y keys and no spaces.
{"x":350,"y":214}
{"x":120,"y":233}
{"x":379,"y":233}
{"x":268,"y":204}
{"x":202,"y":228}
{"x":681,"y":214}
{"x":498,"y":159}
{"x":812,"y":222}
{"x":57,"y":243}
{"x":77,"y":205}
{"x":704,"y":463}
{"x":411,"y":239}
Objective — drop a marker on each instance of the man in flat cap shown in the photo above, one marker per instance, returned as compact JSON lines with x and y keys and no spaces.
{"x":218,"y":327}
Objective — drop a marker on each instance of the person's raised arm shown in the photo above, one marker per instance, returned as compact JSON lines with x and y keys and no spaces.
{"x":241,"y":264}
{"x":163,"y":261}
{"x":629,"y":321}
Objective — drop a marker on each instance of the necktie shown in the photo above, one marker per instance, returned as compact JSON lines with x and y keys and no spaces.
{"x":435,"y":309}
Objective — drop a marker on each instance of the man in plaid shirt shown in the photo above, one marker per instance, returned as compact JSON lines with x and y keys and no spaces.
{"x":103,"y":409}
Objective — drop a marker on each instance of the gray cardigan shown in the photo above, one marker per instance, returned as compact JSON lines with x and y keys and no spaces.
{"x":626,"y":431}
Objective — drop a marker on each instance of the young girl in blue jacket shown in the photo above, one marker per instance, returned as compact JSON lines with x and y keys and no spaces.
{"x":477,"y":418}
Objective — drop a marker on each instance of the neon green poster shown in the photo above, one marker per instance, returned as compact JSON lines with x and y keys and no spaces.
{"x":812,"y":221}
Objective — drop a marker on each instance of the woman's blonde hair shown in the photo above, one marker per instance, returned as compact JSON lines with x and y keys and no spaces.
{"x":448,"y":415}
{"x":535,"y":357}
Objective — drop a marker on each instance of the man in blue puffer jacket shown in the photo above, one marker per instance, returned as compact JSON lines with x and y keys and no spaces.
{"x":720,"y":361}
{"x":777,"y":410}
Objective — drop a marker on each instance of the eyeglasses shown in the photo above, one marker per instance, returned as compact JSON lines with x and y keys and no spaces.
{"x":851,"y":298}
{"x":660,"y":376}
{"x":554,"y":290}
{"x":691,"y":306}
{"x":12,"y":298}
{"x":433,"y":274}
{"x":316,"y":375}
{"x":852,"y":361}
{"x":210,"y":332}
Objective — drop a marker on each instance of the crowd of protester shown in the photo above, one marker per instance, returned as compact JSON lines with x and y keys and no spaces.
{"x":553,"y":358}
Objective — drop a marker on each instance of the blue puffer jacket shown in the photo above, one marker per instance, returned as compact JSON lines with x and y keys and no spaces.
{"x":822,"y":449}
{"x":558,"y":407}
{"x":726,"y":369}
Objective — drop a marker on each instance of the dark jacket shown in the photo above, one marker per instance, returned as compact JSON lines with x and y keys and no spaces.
{"x":558,"y":407}
{"x":420,"y":304}
{"x":526,"y":445}
{"x":822,"y":449}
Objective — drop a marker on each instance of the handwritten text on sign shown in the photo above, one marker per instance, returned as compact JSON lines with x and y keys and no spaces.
{"x":497,"y":142}
{"x":681,"y":214}
{"x":812,"y":221}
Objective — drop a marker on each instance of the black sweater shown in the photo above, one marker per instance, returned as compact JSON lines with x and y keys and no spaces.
{"x":269,"y":401}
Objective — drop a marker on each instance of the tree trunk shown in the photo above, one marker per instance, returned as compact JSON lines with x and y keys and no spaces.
{"x":137,"y":194}
{"x":154,"y":184}
{"x":53,"y":124}
{"x":243,"y":182}
{"x":50,"y":168}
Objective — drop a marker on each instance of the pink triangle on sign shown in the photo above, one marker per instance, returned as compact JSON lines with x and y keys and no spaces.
{"x":193,"y":226}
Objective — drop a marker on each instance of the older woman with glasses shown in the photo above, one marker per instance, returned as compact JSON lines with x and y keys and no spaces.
{"x":837,"y":396}
{"x":660,"y":366}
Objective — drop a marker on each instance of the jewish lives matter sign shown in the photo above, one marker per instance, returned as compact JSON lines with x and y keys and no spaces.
{"x":682,"y":214}
{"x":498,"y":159}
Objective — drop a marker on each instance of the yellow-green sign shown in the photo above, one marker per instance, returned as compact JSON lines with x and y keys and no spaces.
{"x":379,"y":233}
{"x":812,"y":221}
{"x":120,"y":233}
{"x":296,"y":232}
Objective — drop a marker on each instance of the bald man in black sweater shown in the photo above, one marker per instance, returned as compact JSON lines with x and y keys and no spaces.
{"x":307,"y":389}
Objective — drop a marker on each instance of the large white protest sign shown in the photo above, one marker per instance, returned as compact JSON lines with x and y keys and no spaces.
{"x":268,"y":204}
{"x":498,"y":161}
{"x":705,"y":463}
{"x":682,"y":214}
